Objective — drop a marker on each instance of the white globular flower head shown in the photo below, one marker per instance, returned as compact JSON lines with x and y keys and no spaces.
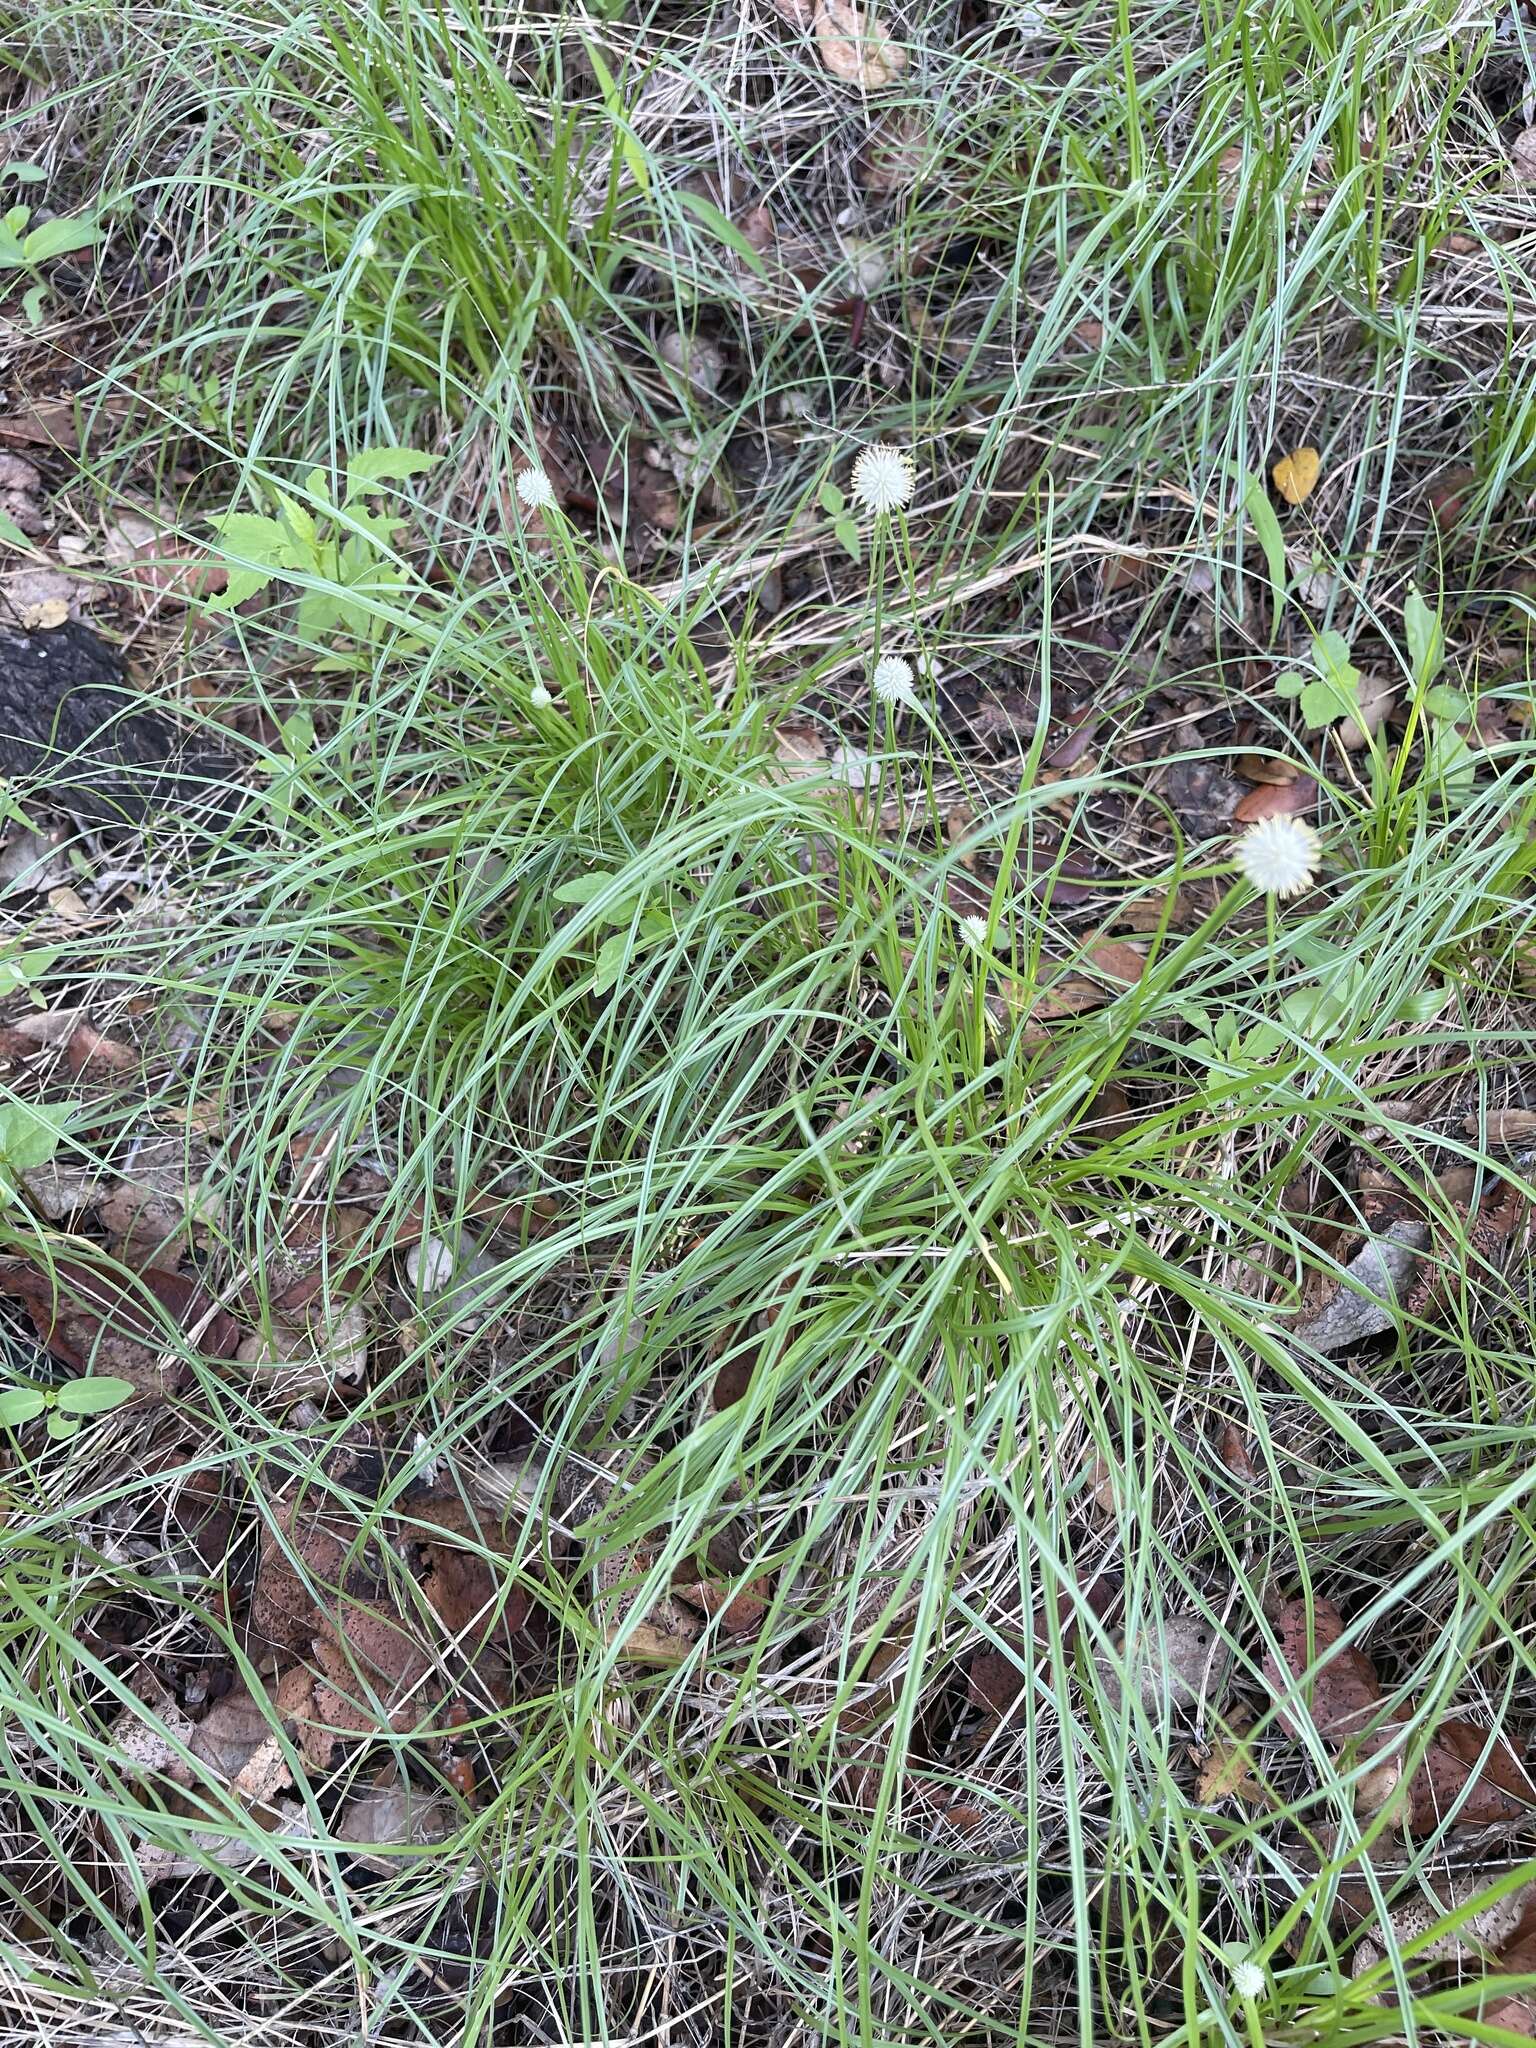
{"x":1279,"y":856}
{"x":535,"y":489}
{"x":1248,"y":1978}
{"x":974,"y":929}
{"x":891,"y":681}
{"x":540,"y":698}
{"x":883,"y":479}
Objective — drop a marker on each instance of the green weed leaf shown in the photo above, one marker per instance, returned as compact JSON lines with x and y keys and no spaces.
{"x":1266,"y":525}
{"x":95,"y":1396}
{"x":373,"y":466}
{"x":1445,"y":703}
{"x":723,"y":230}
{"x":21,"y":1404}
{"x":612,"y":957}
{"x":24,"y":970}
{"x":60,"y":238}
{"x":1426,"y":638}
{"x":30,"y":1134}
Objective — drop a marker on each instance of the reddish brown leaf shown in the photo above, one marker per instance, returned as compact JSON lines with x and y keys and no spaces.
{"x":1079,"y":738}
{"x":1233,"y":1451}
{"x":1277,"y":800}
{"x":996,"y":1681}
{"x":1344,"y":1693}
{"x":1517,"y":1958}
{"x":82,"y":1315}
{"x":741,"y":1610}
{"x":1464,"y":1755}
{"x":91,"y":1050}
{"x":62,"y":423}
{"x":1267,"y":768}
{"x":1116,"y":962}
{"x":1448,"y":497}
{"x":1110,"y":1114}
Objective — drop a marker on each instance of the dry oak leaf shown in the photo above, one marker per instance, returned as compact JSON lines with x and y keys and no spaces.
{"x":1507,"y":1128}
{"x":63,"y":423}
{"x":1277,"y":800}
{"x":1477,"y":1767}
{"x":1295,"y":475}
{"x":1522,"y":156}
{"x":1344,"y":1690}
{"x":1226,"y":1772}
{"x":1516,"y":2010}
{"x":84,"y":1316}
{"x":854,"y":46}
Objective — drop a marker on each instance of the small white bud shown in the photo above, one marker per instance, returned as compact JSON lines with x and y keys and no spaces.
{"x":540,"y":698}
{"x":1248,"y":1978}
{"x":891,"y":682}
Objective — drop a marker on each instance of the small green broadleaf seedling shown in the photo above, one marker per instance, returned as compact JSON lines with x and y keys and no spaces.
{"x":22,"y":968}
{"x":845,"y":529}
{"x":340,"y":552}
{"x":66,"y":1406}
{"x":1332,"y":691}
{"x":28,"y":249}
{"x":30,"y":1133}
{"x":1448,"y":757}
{"x":201,"y":395}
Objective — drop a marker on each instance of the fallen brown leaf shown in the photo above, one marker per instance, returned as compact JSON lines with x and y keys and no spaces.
{"x":1226,"y":1772}
{"x":855,"y":47}
{"x":330,"y":1590}
{"x":628,"y":483}
{"x":1449,"y":494}
{"x":96,"y":1319}
{"x":1233,"y":1450}
{"x":63,"y":423}
{"x":391,"y":1813}
{"x":1516,"y":2010}
{"x":1344,"y":1692}
{"x":740,"y":1610}
{"x":92,"y":1051}
{"x":1267,"y":768}
{"x":1505,"y":1128}
{"x":1277,"y":800}
{"x":161,"y":566}
{"x":1463,"y":1759}
{"x":894,"y":152}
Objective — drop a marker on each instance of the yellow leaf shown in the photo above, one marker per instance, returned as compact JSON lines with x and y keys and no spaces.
{"x":855,"y":47}
{"x":1296,"y":473}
